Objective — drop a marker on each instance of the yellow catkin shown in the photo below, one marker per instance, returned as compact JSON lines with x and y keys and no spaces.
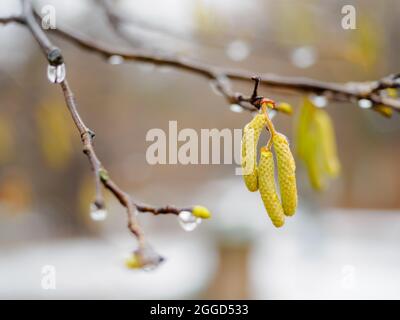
{"x":266,"y":181}
{"x":201,"y":212}
{"x":302,"y":129}
{"x":248,"y":160}
{"x":286,"y":174}
{"x":313,"y":164}
{"x":316,"y":144}
{"x":133,"y":262}
{"x":284,"y":107}
{"x":251,"y":134}
{"x":384,"y":110}
{"x":327,"y":141}
{"x":391,"y":92}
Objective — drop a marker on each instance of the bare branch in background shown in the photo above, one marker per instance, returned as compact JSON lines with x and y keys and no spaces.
{"x":348,"y":92}
{"x":221,"y":77}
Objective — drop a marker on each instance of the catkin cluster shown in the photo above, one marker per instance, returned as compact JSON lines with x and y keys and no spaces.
{"x":262,"y":177}
{"x":316,"y":144}
{"x":251,"y":135}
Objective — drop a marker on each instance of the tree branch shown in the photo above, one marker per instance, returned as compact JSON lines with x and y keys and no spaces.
{"x":341,"y":92}
{"x":54,"y":57}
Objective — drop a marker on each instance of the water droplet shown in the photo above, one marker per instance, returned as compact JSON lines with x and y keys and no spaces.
{"x":56,"y":74}
{"x":236,"y":108}
{"x":115,"y":59}
{"x":304,"y":57}
{"x":97,"y":214}
{"x":365,"y":103}
{"x":188,"y":221}
{"x":238,"y":50}
{"x":51,"y":73}
{"x":150,"y":258}
{"x":319,"y":101}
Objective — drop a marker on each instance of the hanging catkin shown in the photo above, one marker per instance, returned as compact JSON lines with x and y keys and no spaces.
{"x":303,"y":127}
{"x":286,"y":174}
{"x":326,"y":134}
{"x":313,"y":163}
{"x":266,"y":182}
{"x":251,"y":134}
{"x":316,"y":144}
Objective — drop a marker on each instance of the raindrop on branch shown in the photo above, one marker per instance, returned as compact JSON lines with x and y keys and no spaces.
{"x":364,"y":103}
{"x":319,"y":101}
{"x":304,"y":57}
{"x":188,"y":221}
{"x":97,"y":214}
{"x":238,"y":50}
{"x":150,"y":258}
{"x":115,"y":59}
{"x":56,"y":74}
{"x":236,"y":108}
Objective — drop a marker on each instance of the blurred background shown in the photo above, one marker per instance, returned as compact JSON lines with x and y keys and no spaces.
{"x":343,"y":243}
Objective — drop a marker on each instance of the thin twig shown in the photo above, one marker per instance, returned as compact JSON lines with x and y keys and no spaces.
{"x":14,"y":18}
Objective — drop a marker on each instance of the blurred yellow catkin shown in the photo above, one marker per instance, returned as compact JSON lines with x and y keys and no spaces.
{"x":384,"y":110}
{"x":316,"y":144}
{"x":7,"y":141}
{"x":313,"y":164}
{"x":133,"y":262}
{"x":206,"y":20}
{"x":251,"y":135}
{"x":286,"y":174}
{"x":54,"y":126}
{"x":16,"y":192}
{"x":303,"y":127}
{"x":326,"y":134}
{"x":365,"y":43}
{"x":269,"y":196}
{"x":201,"y":212}
{"x":284,"y":107}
